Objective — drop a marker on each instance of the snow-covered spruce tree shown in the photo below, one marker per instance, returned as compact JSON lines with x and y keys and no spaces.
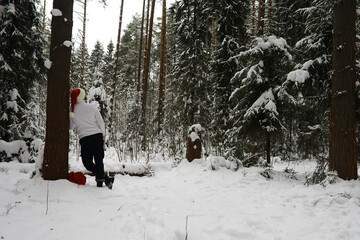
{"x":231,"y":16}
{"x":75,"y":68}
{"x":97,"y":91}
{"x":287,"y":21}
{"x":129,"y":96}
{"x":189,"y":81}
{"x":313,"y":53}
{"x":258,"y":112}
{"x":108,"y":74}
{"x":21,"y":63}
{"x":75,"y":73}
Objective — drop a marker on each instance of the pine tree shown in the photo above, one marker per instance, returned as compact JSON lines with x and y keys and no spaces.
{"x":342,"y":122}
{"x":21,"y":61}
{"x":55,"y":164}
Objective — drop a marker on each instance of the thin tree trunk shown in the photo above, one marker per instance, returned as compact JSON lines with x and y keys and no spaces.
{"x":82,"y":69}
{"x":116,"y":62}
{"x":268,"y":148}
{"x":162,"y":68}
{"x":261,"y":16}
{"x":44,"y":16}
{"x":253,"y":18}
{"x":55,"y":164}
{"x":342,"y":123}
{"x":270,"y":16}
{"x":213,"y":31}
{"x":141,"y":47}
{"x":145,"y":79}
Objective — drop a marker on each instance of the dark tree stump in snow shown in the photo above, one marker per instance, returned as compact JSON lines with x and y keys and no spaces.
{"x":193,"y":145}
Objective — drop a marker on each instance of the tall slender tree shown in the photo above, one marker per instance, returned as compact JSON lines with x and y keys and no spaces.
{"x":141,"y":47}
{"x":342,"y":122}
{"x":162,"y":80}
{"x":55,"y":165}
{"x":114,"y":82}
{"x":83,"y":43}
{"x":145,"y":78}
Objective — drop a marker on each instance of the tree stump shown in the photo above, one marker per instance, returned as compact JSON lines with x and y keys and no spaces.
{"x":193,"y":145}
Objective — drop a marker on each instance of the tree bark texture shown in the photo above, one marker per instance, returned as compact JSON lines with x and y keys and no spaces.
{"x":162,"y":81}
{"x":55,"y":164}
{"x":145,"y":78}
{"x":342,"y":122}
{"x":268,"y":148}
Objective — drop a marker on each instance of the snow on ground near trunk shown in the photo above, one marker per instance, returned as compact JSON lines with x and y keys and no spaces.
{"x":219,"y":204}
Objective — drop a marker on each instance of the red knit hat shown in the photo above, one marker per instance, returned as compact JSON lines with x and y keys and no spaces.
{"x":76,"y":94}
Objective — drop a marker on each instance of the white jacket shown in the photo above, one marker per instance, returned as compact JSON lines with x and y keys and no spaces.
{"x":87,"y":120}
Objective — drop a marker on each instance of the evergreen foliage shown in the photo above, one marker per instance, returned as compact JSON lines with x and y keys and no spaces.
{"x":239,"y":88}
{"x":230,"y":34}
{"x":259,"y":110}
{"x":21,"y":65}
{"x":191,"y":67}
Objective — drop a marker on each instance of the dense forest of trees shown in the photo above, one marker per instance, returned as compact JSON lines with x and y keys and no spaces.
{"x":255,"y":74}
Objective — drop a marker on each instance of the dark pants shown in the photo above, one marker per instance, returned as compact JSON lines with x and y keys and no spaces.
{"x":92,"y":148}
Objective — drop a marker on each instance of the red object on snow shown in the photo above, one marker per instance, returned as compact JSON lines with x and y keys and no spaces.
{"x":78,"y":178}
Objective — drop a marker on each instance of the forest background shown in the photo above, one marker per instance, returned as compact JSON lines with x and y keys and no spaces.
{"x":256,"y":75}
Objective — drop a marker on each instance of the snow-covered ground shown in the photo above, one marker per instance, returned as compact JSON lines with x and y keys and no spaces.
{"x":189,"y":199}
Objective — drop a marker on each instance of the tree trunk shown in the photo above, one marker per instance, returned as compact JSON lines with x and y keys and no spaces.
{"x":253,"y":17}
{"x":113,"y":102}
{"x":342,"y":122}
{"x":268,"y":148}
{"x":269,"y":17}
{"x":82,"y":69}
{"x":145,"y":78}
{"x":261,"y":16}
{"x":141,"y":48}
{"x":162,"y":79}
{"x":55,"y":165}
{"x":44,"y":16}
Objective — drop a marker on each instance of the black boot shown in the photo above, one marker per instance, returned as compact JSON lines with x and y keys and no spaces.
{"x":99,"y":182}
{"x":109,"y":181}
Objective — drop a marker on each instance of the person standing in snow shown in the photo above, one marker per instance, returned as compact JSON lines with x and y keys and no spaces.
{"x":90,"y":127}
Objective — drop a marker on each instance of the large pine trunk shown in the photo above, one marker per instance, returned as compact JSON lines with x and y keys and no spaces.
{"x":55,"y":165}
{"x":342,"y":123}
